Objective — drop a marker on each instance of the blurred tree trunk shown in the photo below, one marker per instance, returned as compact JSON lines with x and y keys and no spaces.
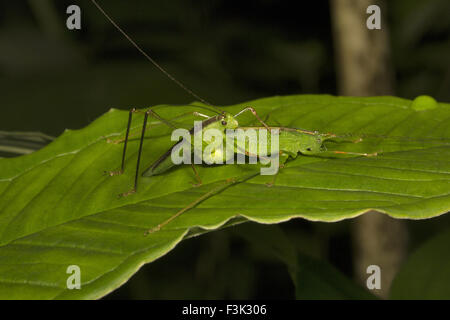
{"x":363,"y":69}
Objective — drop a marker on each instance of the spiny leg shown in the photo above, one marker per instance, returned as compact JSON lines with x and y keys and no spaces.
{"x":127,"y":136}
{"x":191,"y":205}
{"x":252,"y":110}
{"x":374,"y":154}
{"x":200,"y":199}
{"x":266,"y":118}
{"x":122,"y":166}
{"x":144,"y":128}
{"x":284,"y":157}
{"x":346,"y":139}
{"x":141,"y":143}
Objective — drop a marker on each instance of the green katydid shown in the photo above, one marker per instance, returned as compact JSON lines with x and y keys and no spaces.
{"x":291,"y":141}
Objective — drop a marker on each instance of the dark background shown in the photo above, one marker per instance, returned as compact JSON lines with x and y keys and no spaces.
{"x":227,"y":52}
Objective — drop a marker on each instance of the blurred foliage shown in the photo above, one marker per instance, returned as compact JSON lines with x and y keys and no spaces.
{"x":420,"y":39}
{"x":52,"y":78}
{"x":425,"y":275}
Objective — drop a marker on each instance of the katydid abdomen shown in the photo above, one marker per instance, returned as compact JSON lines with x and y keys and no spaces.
{"x":290,"y":142}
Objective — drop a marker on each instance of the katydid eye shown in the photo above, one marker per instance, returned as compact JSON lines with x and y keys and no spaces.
{"x":308,"y":149}
{"x":224,"y":123}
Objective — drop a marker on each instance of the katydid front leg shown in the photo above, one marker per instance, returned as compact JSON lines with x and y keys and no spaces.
{"x":252,"y":110}
{"x":144,"y":128}
{"x":122,"y":167}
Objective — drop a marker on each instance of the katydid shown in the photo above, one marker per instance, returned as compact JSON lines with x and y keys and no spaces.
{"x":292,"y":142}
{"x":221,"y":122}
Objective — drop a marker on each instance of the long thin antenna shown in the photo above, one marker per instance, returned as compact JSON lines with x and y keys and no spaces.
{"x":181,"y":85}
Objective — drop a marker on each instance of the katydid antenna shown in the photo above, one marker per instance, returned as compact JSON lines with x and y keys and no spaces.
{"x":179,"y":83}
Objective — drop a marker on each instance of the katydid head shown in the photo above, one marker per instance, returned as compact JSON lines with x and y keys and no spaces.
{"x":227,"y":121}
{"x":221,"y":122}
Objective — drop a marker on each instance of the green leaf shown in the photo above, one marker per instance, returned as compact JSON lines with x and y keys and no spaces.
{"x":425,"y":275}
{"x":58,"y":209}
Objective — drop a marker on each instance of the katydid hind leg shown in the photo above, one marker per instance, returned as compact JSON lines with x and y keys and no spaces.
{"x":209,"y":194}
{"x":192,"y":205}
{"x":348,"y":139}
{"x":373,"y":154}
